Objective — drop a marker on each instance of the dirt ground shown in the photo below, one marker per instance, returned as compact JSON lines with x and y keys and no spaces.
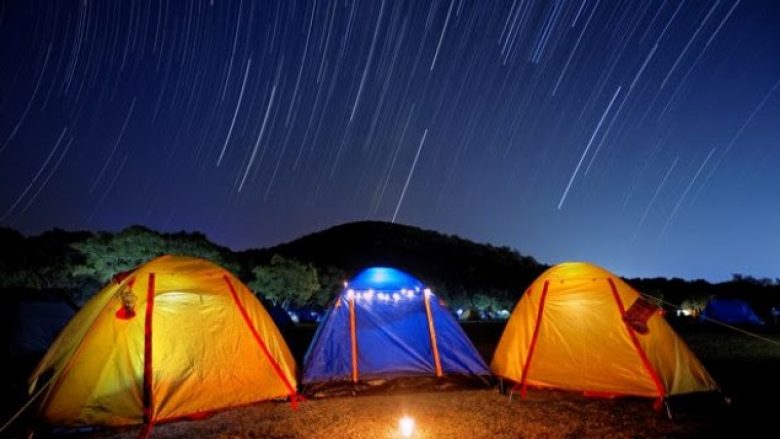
{"x":746,"y":368}
{"x":463,"y":414}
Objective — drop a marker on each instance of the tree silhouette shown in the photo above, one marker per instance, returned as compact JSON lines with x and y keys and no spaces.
{"x":286,"y":282}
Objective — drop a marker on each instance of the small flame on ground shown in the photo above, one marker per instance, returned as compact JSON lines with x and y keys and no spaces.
{"x":406,"y":425}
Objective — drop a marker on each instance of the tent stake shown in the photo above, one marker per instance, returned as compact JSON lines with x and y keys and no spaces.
{"x":668,"y":409}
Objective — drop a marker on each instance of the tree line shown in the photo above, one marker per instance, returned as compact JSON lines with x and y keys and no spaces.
{"x":78,"y":264}
{"x":310,"y":271}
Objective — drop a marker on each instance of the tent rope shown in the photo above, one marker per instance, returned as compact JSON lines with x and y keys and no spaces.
{"x":27,"y":404}
{"x":718,"y":322}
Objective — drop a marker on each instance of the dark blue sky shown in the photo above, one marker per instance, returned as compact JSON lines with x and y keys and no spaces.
{"x":639,"y":135}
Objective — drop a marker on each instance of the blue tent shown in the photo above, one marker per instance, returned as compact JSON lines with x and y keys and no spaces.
{"x":732,"y":311}
{"x":384,"y":325}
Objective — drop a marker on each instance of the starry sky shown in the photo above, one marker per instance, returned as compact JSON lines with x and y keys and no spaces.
{"x":639,"y":135}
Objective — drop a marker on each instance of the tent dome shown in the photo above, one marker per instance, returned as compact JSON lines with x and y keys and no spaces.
{"x":384,"y":279}
{"x":580,"y":327}
{"x":732,"y":311}
{"x":385,"y":325}
{"x":176,"y":337}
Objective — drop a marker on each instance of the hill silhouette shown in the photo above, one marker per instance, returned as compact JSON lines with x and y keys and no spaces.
{"x":450,"y":264}
{"x":466,"y":273}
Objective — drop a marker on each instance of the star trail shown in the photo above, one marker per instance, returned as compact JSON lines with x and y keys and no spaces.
{"x":638,"y":135}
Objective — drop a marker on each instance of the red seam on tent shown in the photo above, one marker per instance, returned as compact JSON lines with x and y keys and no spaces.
{"x":432,"y":333}
{"x":68,"y":366}
{"x":523,"y":383}
{"x":353,"y":339}
{"x":148,"y":396}
{"x":293,"y":394}
{"x":638,"y":347}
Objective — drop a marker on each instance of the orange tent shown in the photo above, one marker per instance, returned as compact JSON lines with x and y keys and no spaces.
{"x":580,"y":327}
{"x":176,"y":337}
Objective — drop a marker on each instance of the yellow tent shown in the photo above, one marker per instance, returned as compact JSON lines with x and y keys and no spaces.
{"x":177,"y":337}
{"x":580,"y":327}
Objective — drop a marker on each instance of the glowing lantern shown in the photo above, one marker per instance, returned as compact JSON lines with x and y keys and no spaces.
{"x":406,"y":426}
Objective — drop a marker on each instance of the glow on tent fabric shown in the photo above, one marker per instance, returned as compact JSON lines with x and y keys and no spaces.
{"x":395,"y":333}
{"x":568,"y":332}
{"x":197,"y":340}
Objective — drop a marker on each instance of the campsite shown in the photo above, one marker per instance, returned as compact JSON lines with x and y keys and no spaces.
{"x":412,"y":353}
{"x":744,"y":367}
{"x":390,"y":219}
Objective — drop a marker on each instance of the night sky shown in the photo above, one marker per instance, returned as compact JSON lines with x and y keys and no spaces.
{"x":639,"y":135}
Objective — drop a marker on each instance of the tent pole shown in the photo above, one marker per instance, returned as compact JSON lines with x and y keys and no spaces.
{"x":353,"y":339}
{"x":432,"y":334}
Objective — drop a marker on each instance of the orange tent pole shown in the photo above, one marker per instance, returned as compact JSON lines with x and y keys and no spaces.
{"x":432,"y":333}
{"x":638,"y":347}
{"x":353,"y":339}
{"x":527,"y":366}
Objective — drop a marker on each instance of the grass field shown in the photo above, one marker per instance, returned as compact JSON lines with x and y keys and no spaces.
{"x":747,"y":369}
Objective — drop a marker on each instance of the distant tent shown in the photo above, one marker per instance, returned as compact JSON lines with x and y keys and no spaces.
{"x":470,"y":314}
{"x":177,"y":337}
{"x":280,"y":316}
{"x":580,"y":327}
{"x":731,"y":311}
{"x":307,"y":314}
{"x":34,"y":322}
{"x":386,"y":325}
